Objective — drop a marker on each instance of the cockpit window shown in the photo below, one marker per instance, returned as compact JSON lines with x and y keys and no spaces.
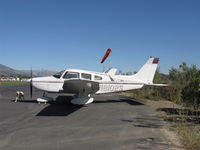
{"x":70,"y":75}
{"x":58,"y":74}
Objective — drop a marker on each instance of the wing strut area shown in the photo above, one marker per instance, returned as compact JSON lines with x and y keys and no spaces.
{"x":82,"y":89}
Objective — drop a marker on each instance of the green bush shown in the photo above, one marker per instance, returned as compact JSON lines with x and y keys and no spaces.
{"x":184,"y":74}
{"x":191,"y":93}
{"x":183,"y":86}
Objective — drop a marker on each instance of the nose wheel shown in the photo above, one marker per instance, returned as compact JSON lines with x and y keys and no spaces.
{"x":44,"y":99}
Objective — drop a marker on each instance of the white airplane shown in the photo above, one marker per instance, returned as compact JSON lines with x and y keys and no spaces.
{"x":83,"y":83}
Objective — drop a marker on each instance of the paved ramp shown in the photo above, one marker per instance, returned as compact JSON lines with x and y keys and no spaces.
{"x":110,"y":123}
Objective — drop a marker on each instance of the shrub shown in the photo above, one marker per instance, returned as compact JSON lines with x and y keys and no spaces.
{"x":191,"y":93}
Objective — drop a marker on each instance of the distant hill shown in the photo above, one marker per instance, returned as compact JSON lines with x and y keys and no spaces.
{"x":7,"y":71}
{"x":40,"y":73}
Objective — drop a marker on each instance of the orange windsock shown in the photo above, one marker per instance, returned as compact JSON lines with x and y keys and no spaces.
{"x":106,"y":55}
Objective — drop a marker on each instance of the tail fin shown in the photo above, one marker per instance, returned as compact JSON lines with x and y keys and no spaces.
{"x":147,"y":72}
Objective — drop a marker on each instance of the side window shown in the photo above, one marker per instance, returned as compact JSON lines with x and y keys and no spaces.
{"x":71,"y":75}
{"x":97,"y":78}
{"x":86,"y":76}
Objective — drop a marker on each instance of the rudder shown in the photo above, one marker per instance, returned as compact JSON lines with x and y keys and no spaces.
{"x":147,"y":72}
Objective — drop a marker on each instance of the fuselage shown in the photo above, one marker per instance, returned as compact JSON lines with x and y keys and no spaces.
{"x":107,"y":83}
{"x":83,"y":83}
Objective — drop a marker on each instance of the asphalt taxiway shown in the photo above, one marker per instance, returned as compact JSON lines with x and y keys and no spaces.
{"x":112,"y":122}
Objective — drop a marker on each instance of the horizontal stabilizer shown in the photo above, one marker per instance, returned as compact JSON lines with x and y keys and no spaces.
{"x":157,"y":84}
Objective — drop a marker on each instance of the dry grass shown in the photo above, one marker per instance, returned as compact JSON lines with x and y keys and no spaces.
{"x":188,"y":136}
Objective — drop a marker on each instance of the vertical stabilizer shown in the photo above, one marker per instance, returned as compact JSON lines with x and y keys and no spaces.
{"x":147,"y":72}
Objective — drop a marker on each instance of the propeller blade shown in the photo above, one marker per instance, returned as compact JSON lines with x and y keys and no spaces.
{"x":31,"y":87}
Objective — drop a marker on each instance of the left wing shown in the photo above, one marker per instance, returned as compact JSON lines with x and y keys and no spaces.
{"x":79,"y":86}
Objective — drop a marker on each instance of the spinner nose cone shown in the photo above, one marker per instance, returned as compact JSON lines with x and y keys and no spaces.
{"x":29,"y":80}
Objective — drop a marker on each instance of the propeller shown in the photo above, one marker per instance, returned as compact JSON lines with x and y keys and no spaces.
{"x":31,"y":86}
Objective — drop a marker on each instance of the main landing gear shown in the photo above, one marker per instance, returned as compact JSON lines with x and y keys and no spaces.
{"x":82,"y":100}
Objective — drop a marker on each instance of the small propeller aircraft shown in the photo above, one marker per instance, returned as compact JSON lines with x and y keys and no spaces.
{"x":83,"y":83}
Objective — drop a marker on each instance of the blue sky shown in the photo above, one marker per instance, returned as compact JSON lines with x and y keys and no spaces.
{"x":58,"y":34}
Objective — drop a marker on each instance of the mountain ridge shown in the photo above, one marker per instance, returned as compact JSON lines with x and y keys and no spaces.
{"x":7,"y":71}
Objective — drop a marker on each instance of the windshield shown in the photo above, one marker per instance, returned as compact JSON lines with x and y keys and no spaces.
{"x":70,"y":75}
{"x":58,"y":74}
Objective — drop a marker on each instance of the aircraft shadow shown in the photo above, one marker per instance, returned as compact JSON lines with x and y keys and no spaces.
{"x":25,"y":101}
{"x":60,"y":107}
{"x":122,"y":100}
